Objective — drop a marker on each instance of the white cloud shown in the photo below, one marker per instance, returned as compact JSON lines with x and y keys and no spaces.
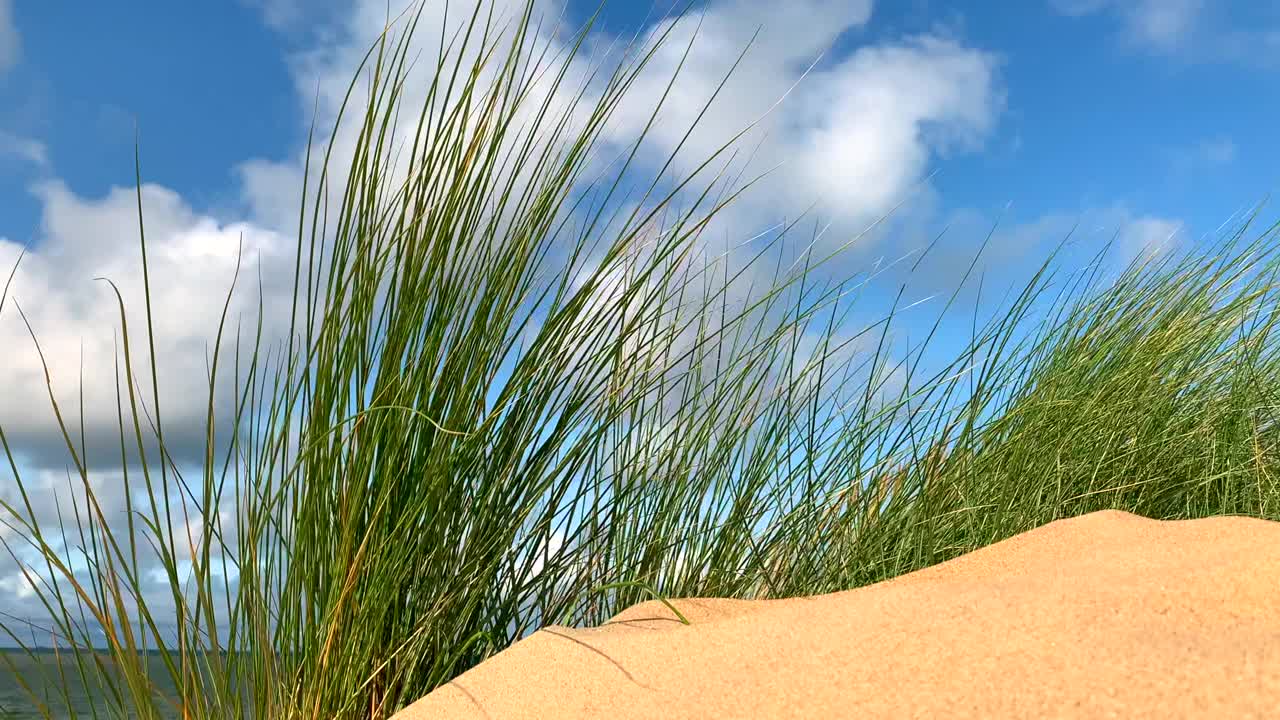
{"x":290,"y":15}
{"x":1150,"y":235}
{"x":1158,"y":23}
{"x":277,"y":14}
{"x":322,"y":74}
{"x":884,"y":113}
{"x":1193,"y":29}
{"x":1163,"y":23}
{"x":32,"y":151}
{"x":10,"y":42}
{"x":1016,"y":247}
{"x":55,"y":501}
{"x":1213,"y":153}
{"x":76,"y":319}
{"x":855,"y":135}
{"x":19,"y":585}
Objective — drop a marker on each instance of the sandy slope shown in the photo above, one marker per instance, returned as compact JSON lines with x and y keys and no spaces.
{"x":1104,"y":615}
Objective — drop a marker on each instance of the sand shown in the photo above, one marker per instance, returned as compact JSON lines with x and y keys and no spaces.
{"x":1104,"y":615}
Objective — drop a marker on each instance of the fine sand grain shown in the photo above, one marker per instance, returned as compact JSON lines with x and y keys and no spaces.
{"x":1104,"y":615}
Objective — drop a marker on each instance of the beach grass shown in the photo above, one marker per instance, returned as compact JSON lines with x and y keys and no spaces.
{"x":461,"y":438}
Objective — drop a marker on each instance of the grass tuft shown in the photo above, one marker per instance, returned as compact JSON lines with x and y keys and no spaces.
{"x":451,"y":448}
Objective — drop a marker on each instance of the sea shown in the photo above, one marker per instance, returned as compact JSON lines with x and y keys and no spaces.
{"x":69,"y":698}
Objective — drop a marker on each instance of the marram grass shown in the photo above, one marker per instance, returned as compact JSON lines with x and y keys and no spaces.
{"x":403,"y":514}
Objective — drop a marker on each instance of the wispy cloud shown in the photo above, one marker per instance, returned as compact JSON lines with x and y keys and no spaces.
{"x":1209,"y":154}
{"x":1161,"y":25}
{"x":1218,"y":151}
{"x":1150,"y":235}
{"x":32,"y":151}
{"x":1191,"y":30}
{"x":287,"y":16}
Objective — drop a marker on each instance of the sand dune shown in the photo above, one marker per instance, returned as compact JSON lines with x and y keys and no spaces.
{"x":1104,"y":615}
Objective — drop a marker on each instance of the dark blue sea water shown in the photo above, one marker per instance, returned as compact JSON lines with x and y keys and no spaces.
{"x":60,"y":673}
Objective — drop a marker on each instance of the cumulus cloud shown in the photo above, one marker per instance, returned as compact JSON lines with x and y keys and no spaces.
{"x":850,"y":138}
{"x":844,"y":133}
{"x":59,"y":507}
{"x":272,"y":187}
{"x":856,"y":134}
{"x":76,"y":320}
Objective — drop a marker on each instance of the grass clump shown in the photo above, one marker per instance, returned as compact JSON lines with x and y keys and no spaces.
{"x":450,"y":448}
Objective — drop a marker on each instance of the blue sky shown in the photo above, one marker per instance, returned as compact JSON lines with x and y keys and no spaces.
{"x":1097,"y":113}
{"x":1147,"y":118}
